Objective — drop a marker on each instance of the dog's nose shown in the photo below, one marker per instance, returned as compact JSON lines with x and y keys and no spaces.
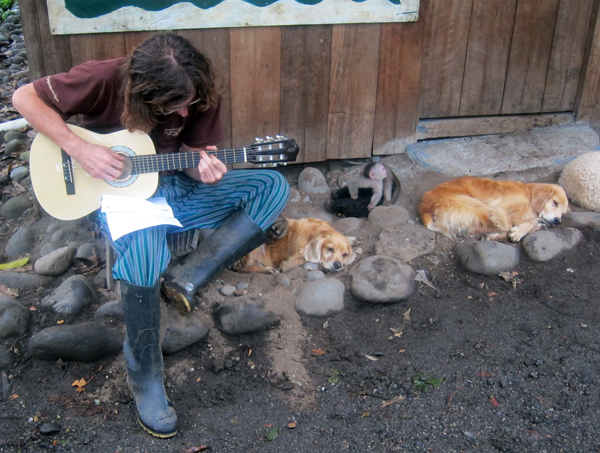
{"x":337,"y":265}
{"x":556,"y":220}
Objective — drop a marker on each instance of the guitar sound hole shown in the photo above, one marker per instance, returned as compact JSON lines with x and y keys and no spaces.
{"x":127,"y":176}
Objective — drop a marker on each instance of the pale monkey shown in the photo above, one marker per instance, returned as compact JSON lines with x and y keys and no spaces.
{"x":380,"y":179}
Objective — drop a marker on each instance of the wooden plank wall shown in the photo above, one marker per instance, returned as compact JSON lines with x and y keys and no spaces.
{"x":350,"y":91}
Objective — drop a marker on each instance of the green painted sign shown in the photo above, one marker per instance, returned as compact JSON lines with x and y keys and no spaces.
{"x":88,"y":9}
{"x":108,"y":16}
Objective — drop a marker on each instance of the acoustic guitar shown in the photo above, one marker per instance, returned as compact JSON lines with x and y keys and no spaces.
{"x":66,"y":191}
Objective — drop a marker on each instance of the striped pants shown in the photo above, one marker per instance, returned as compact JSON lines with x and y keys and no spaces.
{"x":142,"y":256}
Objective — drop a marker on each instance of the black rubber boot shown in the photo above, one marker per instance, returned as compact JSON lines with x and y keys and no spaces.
{"x":144,"y":359}
{"x":237,"y":236}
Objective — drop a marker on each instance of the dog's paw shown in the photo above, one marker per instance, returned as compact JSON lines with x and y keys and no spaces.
{"x":270,"y":270}
{"x":518,"y":232}
{"x":495,"y":237}
{"x":278,"y":229}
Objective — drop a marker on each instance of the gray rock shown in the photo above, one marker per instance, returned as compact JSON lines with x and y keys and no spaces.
{"x":20,"y":280}
{"x":5,"y":359}
{"x":14,"y":147}
{"x":13,"y":135}
{"x":580,"y":179}
{"x":65,"y":235}
{"x":314,"y":275}
{"x":179,"y":332}
{"x":49,"y":247}
{"x":56,"y":262}
{"x":348,"y":225}
{"x":227,"y":290}
{"x":50,"y":428}
{"x":321,"y":298}
{"x":14,"y":318}
{"x":88,"y":252}
{"x":283,"y":280}
{"x":109,"y":311}
{"x":19,"y":174}
{"x":545,"y":245}
{"x":243,"y":315}
{"x":386,"y":216}
{"x":72,"y":296}
{"x":310,"y":266}
{"x":405,"y":242}
{"x":16,"y":60}
{"x":487,"y":257}
{"x":53,"y":227}
{"x":382,"y":279}
{"x":13,"y":19}
{"x":311,"y":180}
{"x":295,"y":196}
{"x":20,"y":243}
{"x":15,"y":207}
{"x":86,"y":342}
{"x":584,"y":218}
{"x":22,"y":81}
{"x":310,"y":211}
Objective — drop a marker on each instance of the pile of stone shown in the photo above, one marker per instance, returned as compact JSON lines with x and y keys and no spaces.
{"x":13,"y":62}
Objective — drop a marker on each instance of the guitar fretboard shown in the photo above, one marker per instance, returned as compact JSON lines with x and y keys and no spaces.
{"x":178,"y":161}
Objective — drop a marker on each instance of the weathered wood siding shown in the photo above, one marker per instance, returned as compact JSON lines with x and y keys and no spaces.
{"x":350,"y":91}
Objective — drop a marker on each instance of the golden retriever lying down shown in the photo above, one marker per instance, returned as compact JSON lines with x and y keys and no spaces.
{"x":500,"y":209}
{"x":307,"y":239}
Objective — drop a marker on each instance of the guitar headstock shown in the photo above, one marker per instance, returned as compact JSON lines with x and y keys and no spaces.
{"x":272,"y":151}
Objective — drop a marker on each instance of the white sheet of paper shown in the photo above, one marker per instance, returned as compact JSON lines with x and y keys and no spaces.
{"x":125,"y":214}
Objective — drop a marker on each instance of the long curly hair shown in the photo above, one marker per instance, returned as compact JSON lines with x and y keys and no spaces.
{"x":162,"y":72}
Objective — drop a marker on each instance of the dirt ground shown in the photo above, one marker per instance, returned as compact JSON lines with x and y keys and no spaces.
{"x":472,"y":364}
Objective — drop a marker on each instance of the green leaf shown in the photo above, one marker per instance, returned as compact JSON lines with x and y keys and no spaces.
{"x":272,"y":433}
{"x":14,"y":264}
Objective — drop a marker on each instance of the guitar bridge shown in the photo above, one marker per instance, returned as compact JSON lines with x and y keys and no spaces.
{"x":67,"y":166}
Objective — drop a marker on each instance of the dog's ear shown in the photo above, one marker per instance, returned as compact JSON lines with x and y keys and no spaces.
{"x":351,"y":257}
{"x":540,"y":194}
{"x":312,"y":251}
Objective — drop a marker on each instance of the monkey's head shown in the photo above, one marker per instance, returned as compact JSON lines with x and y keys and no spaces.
{"x":375,"y":170}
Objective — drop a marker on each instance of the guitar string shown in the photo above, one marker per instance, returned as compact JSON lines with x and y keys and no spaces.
{"x":229,"y":156}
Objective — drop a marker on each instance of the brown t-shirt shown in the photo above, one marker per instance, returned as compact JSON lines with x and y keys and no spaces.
{"x":93,"y":90}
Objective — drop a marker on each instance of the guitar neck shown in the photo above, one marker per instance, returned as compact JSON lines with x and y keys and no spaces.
{"x":179,"y":161}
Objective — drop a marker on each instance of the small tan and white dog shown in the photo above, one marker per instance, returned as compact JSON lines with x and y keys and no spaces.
{"x":499,"y":209}
{"x":308,"y":239}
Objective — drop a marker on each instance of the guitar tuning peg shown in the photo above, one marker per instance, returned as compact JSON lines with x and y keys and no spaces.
{"x":258,"y":140}
{"x":269,"y":138}
{"x":280,"y":137}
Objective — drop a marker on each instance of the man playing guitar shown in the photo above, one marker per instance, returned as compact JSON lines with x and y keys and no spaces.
{"x":167,"y":89}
